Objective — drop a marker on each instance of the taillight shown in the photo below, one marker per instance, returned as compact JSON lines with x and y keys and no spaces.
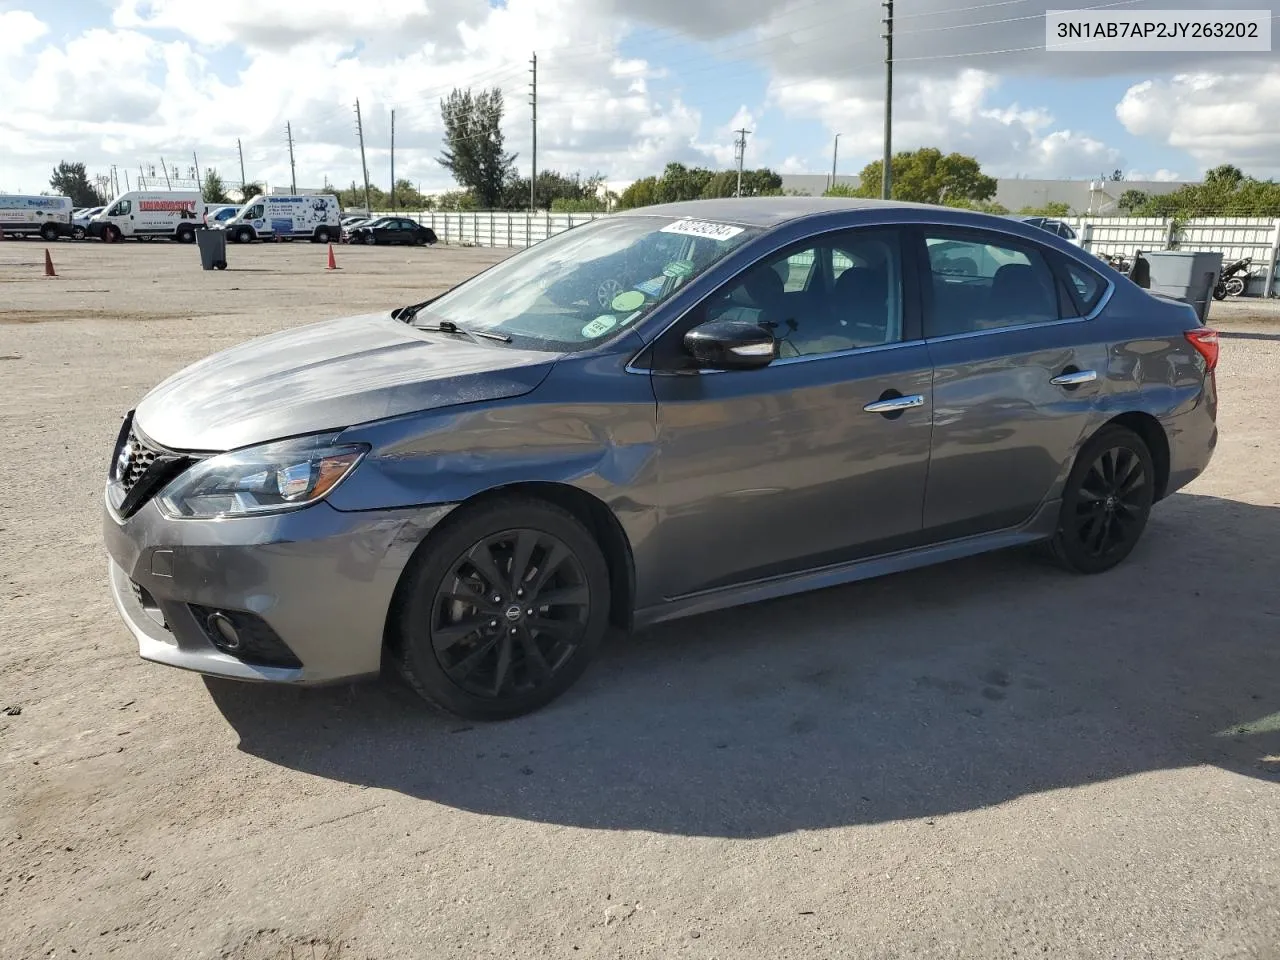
{"x":1206,"y":342}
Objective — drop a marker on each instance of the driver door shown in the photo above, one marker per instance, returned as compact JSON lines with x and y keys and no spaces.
{"x":819,"y":458}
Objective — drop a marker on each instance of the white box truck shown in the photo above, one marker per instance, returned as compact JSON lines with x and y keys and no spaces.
{"x":50,"y":217}
{"x":147,"y":214}
{"x":315,"y":217}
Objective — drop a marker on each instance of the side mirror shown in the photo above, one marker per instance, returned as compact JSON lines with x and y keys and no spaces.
{"x":731,"y":345}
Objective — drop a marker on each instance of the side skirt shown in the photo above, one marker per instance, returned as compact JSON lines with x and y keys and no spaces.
{"x":1040,"y":527}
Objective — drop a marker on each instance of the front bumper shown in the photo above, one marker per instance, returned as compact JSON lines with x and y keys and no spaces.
{"x":320,"y":579}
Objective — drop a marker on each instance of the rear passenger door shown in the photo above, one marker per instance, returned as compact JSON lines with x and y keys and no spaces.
{"x":1017,"y":371}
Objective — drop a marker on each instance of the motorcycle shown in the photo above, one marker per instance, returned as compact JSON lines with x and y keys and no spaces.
{"x":1118,"y":262}
{"x":1233,"y":279}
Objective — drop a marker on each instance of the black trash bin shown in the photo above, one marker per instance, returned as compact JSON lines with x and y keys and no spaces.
{"x":213,"y":249}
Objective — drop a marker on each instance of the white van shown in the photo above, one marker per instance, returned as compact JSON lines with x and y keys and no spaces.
{"x":50,"y":217}
{"x":144,"y":214}
{"x":314,"y":217}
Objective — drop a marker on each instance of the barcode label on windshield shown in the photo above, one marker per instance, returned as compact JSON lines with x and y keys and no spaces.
{"x":703,"y":228}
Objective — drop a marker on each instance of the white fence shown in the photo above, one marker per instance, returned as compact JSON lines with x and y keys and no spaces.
{"x":1233,"y":238}
{"x":497,"y":228}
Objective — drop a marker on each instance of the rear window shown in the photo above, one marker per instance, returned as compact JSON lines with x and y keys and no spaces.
{"x":1087,"y":286}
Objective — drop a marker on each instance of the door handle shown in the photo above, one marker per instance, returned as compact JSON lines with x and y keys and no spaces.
{"x":894,"y":404}
{"x":1075,"y":378}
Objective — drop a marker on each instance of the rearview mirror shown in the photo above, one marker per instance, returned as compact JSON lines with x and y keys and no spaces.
{"x":731,"y":345}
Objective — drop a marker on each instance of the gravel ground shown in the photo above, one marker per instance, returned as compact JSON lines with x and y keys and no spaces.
{"x":986,"y":759}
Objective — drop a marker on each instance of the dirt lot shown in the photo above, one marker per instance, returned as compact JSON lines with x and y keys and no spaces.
{"x":987,"y":759}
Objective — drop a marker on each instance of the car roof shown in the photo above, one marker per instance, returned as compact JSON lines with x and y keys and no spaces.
{"x":772,"y":211}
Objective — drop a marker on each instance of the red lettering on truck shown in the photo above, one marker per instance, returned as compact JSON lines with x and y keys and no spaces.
{"x":167,"y":205}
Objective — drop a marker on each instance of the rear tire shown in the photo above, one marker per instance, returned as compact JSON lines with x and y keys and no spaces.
{"x":49,"y":233}
{"x":1105,"y":503}
{"x":186,"y":235}
{"x":322,"y":235}
{"x":502,"y":611}
{"x":1235,"y":286}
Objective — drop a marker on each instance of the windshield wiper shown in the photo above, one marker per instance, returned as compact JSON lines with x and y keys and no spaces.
{"x":448,"y":326}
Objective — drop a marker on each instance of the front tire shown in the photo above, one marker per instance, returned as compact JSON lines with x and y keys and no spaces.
{"x":1235,"y":286}
{"x":78,"y":233}
{"x":244,"y":235}
{"x":111,"y":233}
{"x":1106,"y":502}
{"x":370,"y":239}
{"x":503,"y":612}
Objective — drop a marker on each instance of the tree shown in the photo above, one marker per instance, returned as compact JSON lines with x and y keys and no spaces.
{"x":456,"y":200}
{"x":1117,"y":176}
{"x":476,"y":153}
{"x":1053,"y":208}
{"x":250,"y":190}
{"x":1225,"y":175}
{"x":1131,"y":200}
{"x":214,"y":190}
{"x":755,"y":183}
{"x":71,"y":180}
{"x":642,"y":193}
{"x":555,"y":191}
{"x":927,"y":176}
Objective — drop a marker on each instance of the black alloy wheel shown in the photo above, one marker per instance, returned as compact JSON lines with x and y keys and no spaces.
{"x":506,"y":609}
{"x":1106,"y":502}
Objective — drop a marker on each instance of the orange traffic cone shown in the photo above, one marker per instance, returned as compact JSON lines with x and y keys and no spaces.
{"x":48,"y":264}
{"x":333,"y":264}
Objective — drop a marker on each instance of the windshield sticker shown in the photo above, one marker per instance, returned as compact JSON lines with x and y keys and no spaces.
{"x":599,"y":326}
{"x":679,"y":269}
{"x":651,"y":288}
{"x":627,"y":301}
{"x":703,"y":228}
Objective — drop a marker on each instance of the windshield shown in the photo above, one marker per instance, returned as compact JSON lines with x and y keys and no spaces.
{"x":585,"y":284}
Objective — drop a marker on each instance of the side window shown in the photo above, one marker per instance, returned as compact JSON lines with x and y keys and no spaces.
{"x":256,"y":213}
{"x":122,"y":209}
{"x":982,"y":285}
{"x":1087,"y":286}
{"x":813,"y":312}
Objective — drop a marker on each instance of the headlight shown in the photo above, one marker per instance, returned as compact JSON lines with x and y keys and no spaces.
{"x":271,"y":478}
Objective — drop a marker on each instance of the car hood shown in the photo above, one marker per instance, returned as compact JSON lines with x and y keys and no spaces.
{"x":329,"y":375}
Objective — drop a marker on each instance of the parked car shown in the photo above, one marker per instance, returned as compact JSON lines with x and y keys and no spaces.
{"x":1056,"y":227}
{"x":80,"y":221}
{"x":807,"y":393}
{"x":391,"y":230}
{"x":349,"y":224}
{"x":218,"y":217}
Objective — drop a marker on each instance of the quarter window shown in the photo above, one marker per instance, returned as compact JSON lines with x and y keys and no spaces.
{"x":1087,"y":286}
{"x":980,"y":285}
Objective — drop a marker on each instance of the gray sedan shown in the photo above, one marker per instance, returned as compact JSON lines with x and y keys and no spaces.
{"x":779,"y":395}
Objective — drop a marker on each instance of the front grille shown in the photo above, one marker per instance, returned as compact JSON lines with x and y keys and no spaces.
{"x":141,"y":456}
{"x":140,"y":468}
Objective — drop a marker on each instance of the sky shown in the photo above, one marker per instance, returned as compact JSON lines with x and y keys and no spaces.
{"x":624,"y":87}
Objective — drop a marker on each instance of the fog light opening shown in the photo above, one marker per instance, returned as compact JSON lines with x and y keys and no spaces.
{"x":224,"y":632}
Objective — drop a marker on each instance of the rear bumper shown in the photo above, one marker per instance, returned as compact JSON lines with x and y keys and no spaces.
{"x":1193,"y":437}
{"x":320,"y":579}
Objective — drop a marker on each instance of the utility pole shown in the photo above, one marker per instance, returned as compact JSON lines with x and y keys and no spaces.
{"x":293,"y":170}
{"x":240,"y":150}
{"x":835,"y":152}
{"x":886,"y":174}
{"x":740,"y":152}
{"x":165,"y":168}
{"x":368,"y":207}
{"x":141,"y":177}
{"x":199,"y":179}
{"x":127,"y":188}
{"x":533,"y":102}
{"x":393,"y":160}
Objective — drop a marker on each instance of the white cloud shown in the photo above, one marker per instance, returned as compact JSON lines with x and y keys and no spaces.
{"x":1216,"y":118}
{"x":1160,"y":176}
{"x":952,"y":114}
{"x":18,"y":30}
